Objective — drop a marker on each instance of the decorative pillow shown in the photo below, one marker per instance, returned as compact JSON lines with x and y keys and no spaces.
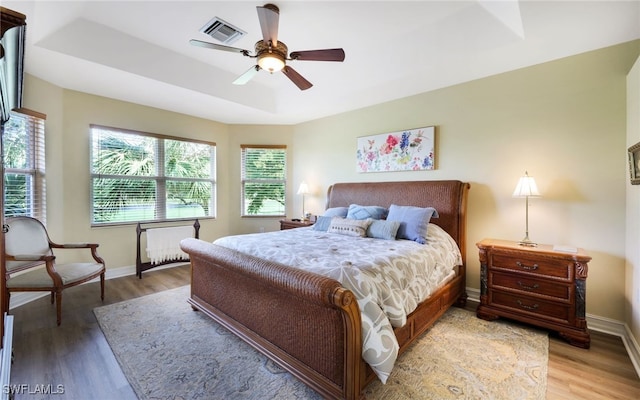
{"x":322,"y":223}
{"x":336,"y":212}
{"x":414,"y":221}
{"x":349,"y":227}
{"x":380,"y":229}
{"x":363,"y":212}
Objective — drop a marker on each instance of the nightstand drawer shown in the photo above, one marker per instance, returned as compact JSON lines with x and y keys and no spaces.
{"x":555,"y":311}
{"x":526,"y":284}
{"x":544,"y":267}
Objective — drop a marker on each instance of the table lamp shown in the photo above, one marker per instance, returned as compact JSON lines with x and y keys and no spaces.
{"x":303,"y":189}
{"x":526,"y":188}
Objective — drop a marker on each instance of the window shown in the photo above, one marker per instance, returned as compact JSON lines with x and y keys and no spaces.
{"x":24,"y":165}
{"x":263,"y":180}
{"x":139,"y":176}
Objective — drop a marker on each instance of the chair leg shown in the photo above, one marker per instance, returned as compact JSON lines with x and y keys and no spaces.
{"x":52,"y":296}
{"x":102,"y":286}
{"x":59,"y":306}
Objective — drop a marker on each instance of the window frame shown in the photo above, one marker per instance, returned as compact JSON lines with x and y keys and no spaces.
{"x":36,"y":164}
{"x":159,"y":177}
{"x":244,"y":180}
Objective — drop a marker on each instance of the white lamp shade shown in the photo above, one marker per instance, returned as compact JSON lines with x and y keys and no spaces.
{"x":303,"y":189}
{"x":526,"y":187}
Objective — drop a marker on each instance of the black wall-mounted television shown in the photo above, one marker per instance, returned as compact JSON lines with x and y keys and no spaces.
{"x":12,"y":42}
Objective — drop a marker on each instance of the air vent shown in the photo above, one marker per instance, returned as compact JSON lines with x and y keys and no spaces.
{"x":222,"y":31}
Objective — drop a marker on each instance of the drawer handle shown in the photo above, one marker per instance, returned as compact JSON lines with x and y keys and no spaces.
{"x":527,"y":267}
{"x":527,"y":307}
{"x":527,"y":287}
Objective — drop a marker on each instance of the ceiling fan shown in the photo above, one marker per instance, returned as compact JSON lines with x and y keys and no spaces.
{"x":272,"y":54}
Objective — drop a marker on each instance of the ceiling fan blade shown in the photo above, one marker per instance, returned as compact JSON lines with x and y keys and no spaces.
{"x":246,"y":77}
{"x":269,"y":15}
{"x":296,"y":78}
{"x":218,"y":47}
{"x":318,"y":55}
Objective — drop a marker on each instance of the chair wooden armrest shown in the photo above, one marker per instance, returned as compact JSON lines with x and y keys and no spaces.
{"x":29,"y":257}
{"x":92,"y":246}
{"x":23,"y":262}
{"x":73,"y":245}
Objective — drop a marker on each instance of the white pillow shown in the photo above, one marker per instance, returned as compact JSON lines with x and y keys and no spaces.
{"x":349,"y":227}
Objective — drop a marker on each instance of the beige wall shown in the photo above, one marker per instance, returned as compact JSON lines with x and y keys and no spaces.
{"x":563,"y":121}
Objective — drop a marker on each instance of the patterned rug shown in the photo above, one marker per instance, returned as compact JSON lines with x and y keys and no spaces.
{"x":168,"y":351}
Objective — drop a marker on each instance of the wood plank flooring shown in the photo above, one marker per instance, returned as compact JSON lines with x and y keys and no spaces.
{"x":77,"y":356}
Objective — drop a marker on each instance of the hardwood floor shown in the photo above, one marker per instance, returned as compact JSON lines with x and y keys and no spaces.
{"x":77,"y":356}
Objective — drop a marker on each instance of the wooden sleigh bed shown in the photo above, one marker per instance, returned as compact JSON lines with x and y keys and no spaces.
{"x":313,"y":329}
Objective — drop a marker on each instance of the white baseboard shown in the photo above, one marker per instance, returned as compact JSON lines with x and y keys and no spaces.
{"x":598,"y":324}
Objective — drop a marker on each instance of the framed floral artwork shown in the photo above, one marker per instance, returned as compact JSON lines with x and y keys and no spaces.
{"x":409,"y":150}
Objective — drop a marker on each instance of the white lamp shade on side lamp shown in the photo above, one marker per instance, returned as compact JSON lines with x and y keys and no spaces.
{"x":526,"y":188}
{"x":303,"y":189}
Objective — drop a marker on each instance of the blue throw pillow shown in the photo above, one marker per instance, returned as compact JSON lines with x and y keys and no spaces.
{"x":381,"y":229}
{"x":336,"y":212}
{"x":322,"y":223}
{"x":414,"y":221}
{"x":363,"y":212}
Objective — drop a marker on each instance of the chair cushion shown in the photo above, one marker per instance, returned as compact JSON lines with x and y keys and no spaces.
{"x":70,"y":273}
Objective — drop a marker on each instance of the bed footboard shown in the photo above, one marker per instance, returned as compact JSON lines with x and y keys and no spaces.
{"x":277,"y":310}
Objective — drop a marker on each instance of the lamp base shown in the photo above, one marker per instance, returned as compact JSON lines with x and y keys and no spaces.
{"x":527,"y":242}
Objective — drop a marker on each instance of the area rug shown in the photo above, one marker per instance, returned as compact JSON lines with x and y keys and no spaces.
{"x":169,"y":351}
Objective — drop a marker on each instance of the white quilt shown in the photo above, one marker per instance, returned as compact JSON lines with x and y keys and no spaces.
{"x":388,"y":277}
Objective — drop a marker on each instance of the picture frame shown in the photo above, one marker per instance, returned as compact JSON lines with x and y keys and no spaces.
{"x":407,"y":150}
{"x":634,"y":164}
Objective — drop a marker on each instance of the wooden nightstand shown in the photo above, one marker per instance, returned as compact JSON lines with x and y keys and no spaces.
{"x":290,"y":224}
{"x":536,"y":285}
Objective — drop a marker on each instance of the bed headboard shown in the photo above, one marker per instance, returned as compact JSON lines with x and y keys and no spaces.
{"x":448,"y":197}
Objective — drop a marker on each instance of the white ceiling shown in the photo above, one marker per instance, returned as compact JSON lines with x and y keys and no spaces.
{"x":139,"y":51}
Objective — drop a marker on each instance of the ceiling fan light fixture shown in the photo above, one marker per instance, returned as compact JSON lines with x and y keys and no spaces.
{"x":271,"y":62}
{"x":271,"y":58}
{"x":272,"y":54}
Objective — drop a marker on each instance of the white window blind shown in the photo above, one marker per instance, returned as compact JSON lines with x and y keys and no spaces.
{"x":24,"y":165}
{"x":263,"y":180}
{"x":137,"y":176}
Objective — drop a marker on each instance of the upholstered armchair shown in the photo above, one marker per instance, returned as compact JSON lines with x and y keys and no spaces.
{"x":31,"y":266}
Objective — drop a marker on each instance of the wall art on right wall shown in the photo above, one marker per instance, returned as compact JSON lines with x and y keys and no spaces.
{"x":634,"y":164}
